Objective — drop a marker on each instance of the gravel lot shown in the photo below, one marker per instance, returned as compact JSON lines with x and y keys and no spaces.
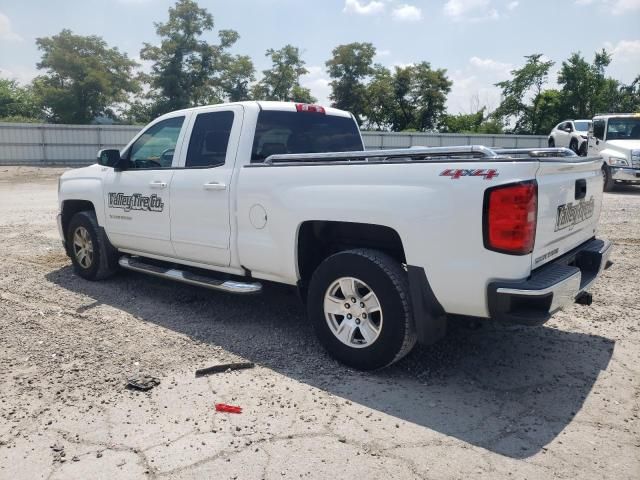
{"x":558,"y":401}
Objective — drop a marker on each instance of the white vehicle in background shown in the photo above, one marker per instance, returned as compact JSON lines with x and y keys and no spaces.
{"x":383,"y":245}
{"x":616,"y":138}
{"x":571,"y":134}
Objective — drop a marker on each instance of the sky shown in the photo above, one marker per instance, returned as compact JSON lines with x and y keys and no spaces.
{"x":478,"y":42}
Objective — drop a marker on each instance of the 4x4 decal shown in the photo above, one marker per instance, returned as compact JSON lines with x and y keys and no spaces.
{"x":136,"y":201}
{"x":455,"y":174}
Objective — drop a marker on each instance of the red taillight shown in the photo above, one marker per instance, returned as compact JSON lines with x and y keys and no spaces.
{"x":510,"y":215}
{"x":306,"y":107}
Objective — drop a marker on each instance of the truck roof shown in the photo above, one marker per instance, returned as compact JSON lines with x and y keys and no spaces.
{"x":609,"y":115}
{"x":267,"y":105}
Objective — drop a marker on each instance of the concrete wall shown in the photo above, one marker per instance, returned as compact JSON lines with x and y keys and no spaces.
{"x":46,"y":144}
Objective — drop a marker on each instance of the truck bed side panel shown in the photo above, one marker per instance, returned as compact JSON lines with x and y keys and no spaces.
{"x":438,"y":218}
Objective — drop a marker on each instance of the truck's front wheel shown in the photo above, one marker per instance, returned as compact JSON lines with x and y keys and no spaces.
{"x":93,"y":257}
{"x":360,"y":308}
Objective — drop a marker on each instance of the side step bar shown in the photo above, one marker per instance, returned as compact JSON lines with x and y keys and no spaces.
{"x":230,"y":286}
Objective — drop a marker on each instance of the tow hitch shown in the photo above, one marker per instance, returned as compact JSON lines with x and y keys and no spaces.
{"x":584,"y":298}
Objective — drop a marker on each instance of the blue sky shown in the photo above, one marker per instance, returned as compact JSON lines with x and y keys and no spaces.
{"x":477,"y":41}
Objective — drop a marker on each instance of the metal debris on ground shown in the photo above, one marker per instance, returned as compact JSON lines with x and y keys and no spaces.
{"x":225,"y":367}
{"x":143,"y":383}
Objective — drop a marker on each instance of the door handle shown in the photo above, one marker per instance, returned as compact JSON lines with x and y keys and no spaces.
{"x":158,"y":184}
{"x":214,"y":186}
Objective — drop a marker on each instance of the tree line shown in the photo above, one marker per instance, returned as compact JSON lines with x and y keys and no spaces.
{"x":84,"y":79}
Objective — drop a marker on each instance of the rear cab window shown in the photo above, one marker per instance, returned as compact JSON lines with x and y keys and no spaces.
{"x":283,"y":132}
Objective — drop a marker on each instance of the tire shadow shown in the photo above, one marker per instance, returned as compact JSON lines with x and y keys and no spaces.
{"x":508,"y":389}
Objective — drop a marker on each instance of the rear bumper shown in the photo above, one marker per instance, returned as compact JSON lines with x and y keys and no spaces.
{"x":551,"y":287}
{"x":626,"y":174}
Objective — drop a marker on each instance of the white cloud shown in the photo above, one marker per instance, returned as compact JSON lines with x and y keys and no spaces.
{"x":625,"y":59}
{"x":318,"y":82}
{"x":407,"y":13}
{"x":474,"y":85}
{"x":512,"y":5}
{"x":471,"y":11}
{"x":624,"y":50}
{"x":489,"y":64}
{"x":383,"y":53}
{"x":615,"y":7}
{"x":22,"y":74}
{"x":6,"y":31}
{"x":460,"y":8}
{"x":362,"y":7}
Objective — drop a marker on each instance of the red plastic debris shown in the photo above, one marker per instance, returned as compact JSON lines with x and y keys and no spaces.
{"x":223,"y":407}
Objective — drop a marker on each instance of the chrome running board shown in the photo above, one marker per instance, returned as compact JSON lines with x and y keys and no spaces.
{"x":230,"y":286}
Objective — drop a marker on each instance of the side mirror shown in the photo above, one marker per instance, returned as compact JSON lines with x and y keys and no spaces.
{"x":109,"y":157}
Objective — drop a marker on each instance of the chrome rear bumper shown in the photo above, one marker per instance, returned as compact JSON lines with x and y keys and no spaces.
{"x":551,"y":287}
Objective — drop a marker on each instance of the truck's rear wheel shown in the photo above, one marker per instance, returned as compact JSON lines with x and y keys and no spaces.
{"x":360,"y":308}
{"x":92,"y":256}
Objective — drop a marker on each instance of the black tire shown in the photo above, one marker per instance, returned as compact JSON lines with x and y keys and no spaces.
{"x":388,"y":280}
{"x":608,"y":182}
{"x":583,"y":151}
{"x":104,"y":258}
{"x":573,"y":145}
{"x":552,"y":143}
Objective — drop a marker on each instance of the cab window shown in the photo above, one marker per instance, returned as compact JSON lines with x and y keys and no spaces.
{"x":156,"y":146}
{"x":209,"y":139}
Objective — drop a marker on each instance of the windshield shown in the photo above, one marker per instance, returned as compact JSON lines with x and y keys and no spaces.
{"x":280,"y":132}
{"x":582,"y":126}
{"x":623,"y":128}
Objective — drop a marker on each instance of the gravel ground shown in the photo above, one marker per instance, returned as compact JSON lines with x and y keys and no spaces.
{"x":490,"y":401}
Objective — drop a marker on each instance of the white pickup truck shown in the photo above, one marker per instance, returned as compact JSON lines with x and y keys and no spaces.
{"x":616,"y":138}
{"x":382,"y":245}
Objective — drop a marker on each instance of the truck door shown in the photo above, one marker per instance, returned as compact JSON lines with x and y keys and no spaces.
{"x":200,"y":189}
{"x":137,"y":199}
{"x":596,"y":139}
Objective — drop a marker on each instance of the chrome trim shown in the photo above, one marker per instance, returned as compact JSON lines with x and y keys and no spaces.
{"x":400,"y":153}
{"x":625,"y":173}
{"x":537,"y":152}
{"x":564,"y":292}
{"x":230,"y":286}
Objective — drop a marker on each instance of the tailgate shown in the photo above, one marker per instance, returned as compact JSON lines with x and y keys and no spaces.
{"x":569,"y":202}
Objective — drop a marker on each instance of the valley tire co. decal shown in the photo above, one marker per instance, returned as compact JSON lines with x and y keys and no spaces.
{"x":571,"y":214}
{"x":136,"y":201}
{"x":455,"y":174}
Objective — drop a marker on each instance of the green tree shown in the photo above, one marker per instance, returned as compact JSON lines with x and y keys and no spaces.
{"x":520,"y":104}
{"x":236,"y":77}
{"x":349,"y":68}
{"x":552,"y":109}
{"x":282,"y":81}
{"x":187,"y":71}
{"x":17,"y":103}
{"x":380,"y":101}
{"x":478,"y":122}
{"x":628,"y":97}
{"x":585,"y":90}
{"x":84,"y":77}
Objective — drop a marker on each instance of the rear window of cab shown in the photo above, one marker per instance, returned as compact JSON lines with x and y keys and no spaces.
{"x":279,"y":132}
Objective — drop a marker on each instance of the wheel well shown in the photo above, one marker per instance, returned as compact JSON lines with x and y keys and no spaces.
{"x":319,"y":239}
{"x":70,"y":208}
